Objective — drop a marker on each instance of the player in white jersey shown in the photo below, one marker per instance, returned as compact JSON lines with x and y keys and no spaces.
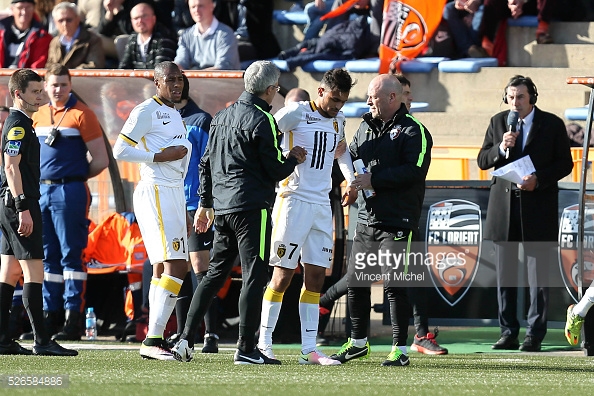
{"x":155,"y":136}
{"x":302,"y":216}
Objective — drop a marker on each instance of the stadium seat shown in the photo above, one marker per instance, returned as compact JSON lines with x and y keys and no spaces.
{"x":368,"y":65}
{"x":281,"y":64}
{"x":422,"y":65}
{"x":466,"y":65}
{"x":290,"y":17}
{"x":577,"y":113}
{"x":322,"y":66}
{"x":357,"y":109}
{"x":523,"y":21}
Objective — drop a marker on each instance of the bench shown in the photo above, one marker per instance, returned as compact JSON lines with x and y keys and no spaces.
{"x":466,"y":65}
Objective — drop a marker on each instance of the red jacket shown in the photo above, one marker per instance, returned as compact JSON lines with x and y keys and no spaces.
{"x":34,"y":53}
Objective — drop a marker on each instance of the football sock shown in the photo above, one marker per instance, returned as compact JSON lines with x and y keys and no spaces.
{"x":182,"y":306}
{"x":309,"y":313}
{"x":584,"y":305}
{"x":271,"y":306}
{"x":152,"y":288}
{"x":164,"y":301}
{"x":359,"y":343}
{"x":33,"y":303}
{"x":6,"y":292}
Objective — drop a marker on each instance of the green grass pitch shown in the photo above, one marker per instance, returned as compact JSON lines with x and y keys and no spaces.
{"x":123,"y":372}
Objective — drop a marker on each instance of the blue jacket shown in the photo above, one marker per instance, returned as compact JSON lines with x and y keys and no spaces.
{"x":198,"y":124}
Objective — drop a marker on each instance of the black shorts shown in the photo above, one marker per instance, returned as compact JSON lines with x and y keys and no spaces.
{"x":13,"y":244}
{"x":199,"y":242}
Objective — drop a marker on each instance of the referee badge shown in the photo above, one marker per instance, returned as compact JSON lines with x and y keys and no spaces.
{"x":176,"y":244}
{"x":281,"y":250}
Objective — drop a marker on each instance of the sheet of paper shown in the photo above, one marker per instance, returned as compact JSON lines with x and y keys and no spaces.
{"x":515,"y":171}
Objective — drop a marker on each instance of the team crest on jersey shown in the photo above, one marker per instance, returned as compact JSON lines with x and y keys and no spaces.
{"x":454,"y":234}
{"x":13,"y":148}
{"x":568,"y":249}
{"x":16,"y":133}
{"x":176,"y":244}
{"x":281,"y":250}
{"x":395,"y":132}
{"x":335,"y":125}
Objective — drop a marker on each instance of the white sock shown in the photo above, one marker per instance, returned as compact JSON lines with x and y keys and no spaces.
{"x":584,"y":305}
{"x":359,"y":343}
{"x":152,"y":288}
{"x":271,"y":306}
{"x":164,"y":301}
{"x":402,"y":349}
{"x":309,"y":313}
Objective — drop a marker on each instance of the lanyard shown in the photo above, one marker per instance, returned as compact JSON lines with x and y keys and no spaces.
{"x":52,"y":117}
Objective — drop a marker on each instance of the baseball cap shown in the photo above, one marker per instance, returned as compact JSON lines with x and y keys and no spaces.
{"x":22,"y":1}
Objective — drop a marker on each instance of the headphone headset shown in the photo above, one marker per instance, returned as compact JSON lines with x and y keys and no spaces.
{"x":521,"y":80}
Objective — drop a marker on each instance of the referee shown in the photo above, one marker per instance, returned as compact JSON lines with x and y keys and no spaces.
{"x":20,"y":216}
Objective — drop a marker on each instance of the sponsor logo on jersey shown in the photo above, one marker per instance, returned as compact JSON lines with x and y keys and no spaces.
{"x":568,"y":249}
{"x":13,"y":148}
{"x":176,"y":244}
{"x":454,"y":235}
{"x":281,"y":250}
{"x":16,"y":133}
{"x":311,"y":119}
{"x":161,"y":116}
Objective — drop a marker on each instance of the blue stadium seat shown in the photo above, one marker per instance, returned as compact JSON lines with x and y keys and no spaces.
{"x":357,"y":109}
{"x":281,"y":64}
{"x":322,"y":66}
{"x":577,"y":113}
{"x":369,"y":65}
{"x":290,"y":17}
{"x":523,"y":21}
{"x":466,"y":65}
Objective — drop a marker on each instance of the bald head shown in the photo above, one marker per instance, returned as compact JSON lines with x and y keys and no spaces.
{"x":384,"y":96}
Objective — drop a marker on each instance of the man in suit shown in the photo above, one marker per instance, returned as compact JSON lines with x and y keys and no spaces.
{"x":525,"y":212}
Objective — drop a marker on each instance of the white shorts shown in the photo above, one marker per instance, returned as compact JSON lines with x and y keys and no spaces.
{"x":301,"y":229}
{"x":161,"y":214}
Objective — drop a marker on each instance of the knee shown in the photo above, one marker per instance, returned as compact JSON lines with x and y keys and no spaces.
{"x":449,"y":10}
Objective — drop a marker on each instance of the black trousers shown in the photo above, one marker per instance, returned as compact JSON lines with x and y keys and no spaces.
{"x":536,"y":259}
{"x":246,"y":234}
{"x":370,"y":240}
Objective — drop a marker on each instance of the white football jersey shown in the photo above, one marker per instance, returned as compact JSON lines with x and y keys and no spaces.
{"x":303,"y":125}
{"x":152,"y":126}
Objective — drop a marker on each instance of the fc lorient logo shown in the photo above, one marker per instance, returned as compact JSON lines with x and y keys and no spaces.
{"x":454,"y":230}
{"x":568,"y":253}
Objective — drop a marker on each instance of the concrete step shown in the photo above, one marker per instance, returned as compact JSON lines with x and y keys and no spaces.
{"x":521,"y":40}
{"x":563,"y":55}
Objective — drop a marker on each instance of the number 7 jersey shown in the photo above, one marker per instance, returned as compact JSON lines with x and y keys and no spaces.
{"x":302,"y":125}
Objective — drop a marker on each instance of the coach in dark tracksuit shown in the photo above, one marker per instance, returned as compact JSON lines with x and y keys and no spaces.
{"x":238,"y":173}
{"x":526,"y":212}
{"x":396,"y":149}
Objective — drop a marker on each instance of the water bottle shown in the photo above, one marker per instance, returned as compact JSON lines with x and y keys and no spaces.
{"x":91,"y":325}
{"x":361,"y":169}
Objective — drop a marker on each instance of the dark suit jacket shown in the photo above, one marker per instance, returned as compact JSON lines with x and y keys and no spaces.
{"x":548,"y":148}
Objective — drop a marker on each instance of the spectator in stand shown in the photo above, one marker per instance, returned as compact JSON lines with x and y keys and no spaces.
{"x":23,"y":41}
{"x":75,"y":47}
{"x":373,"y":8}
{"x":314,"y":11}
{"x":498,"y":10}
{"x":208,"y":44}
{"x":90,"y":12}
{"x":464,"y":19}
{"x":151,"y":43}
{"x":43,"y":9}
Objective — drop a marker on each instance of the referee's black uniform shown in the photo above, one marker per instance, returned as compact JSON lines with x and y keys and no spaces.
{"x":18,"y":137}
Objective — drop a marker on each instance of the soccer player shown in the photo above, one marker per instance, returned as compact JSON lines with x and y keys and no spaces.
{"x":302,"y":217}
{"x":155,"y":136}
{"x":576,"y":314}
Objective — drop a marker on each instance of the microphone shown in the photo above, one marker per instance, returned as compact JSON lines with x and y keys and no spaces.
{"x":512,"y":120}
{"x":28,"y":104}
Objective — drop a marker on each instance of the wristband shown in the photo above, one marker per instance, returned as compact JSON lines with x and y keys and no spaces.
{"x":21,"y":203}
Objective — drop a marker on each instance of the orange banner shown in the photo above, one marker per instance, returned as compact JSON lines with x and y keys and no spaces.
{"x":339,"y":10}
{"x":407,"y":27}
